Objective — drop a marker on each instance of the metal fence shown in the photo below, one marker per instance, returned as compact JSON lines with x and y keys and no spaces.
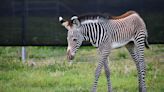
{"x":35,"y":22}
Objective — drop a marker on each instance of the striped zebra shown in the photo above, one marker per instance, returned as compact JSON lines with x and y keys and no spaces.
{"x":107,"y":33}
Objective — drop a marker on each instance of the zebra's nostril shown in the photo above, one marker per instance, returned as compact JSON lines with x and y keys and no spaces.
{"x":70,"y":57}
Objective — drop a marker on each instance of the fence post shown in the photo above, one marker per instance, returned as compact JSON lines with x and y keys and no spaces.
{"x":23,"y":54}
{"x":24,"y":28}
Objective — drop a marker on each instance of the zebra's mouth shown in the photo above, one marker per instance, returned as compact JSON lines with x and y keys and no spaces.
{"x":69,"y":55}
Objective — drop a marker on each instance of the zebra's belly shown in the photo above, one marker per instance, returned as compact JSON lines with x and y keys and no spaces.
{"x":118,"y":44}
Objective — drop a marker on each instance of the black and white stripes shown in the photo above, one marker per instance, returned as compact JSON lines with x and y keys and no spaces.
{"x":95,"y":32}
{"x":128,"y":30}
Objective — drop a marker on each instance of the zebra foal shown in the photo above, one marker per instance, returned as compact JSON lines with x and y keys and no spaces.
{"x":107,"y":33}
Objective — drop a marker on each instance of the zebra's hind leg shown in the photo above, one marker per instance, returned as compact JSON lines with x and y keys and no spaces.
{"x":107,"y":72}
{"x":137,"y":53}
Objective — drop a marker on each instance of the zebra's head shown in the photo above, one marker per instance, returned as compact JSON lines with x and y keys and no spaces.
{"x":74,"y":36}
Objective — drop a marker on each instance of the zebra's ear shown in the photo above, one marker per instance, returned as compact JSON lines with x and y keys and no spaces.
{"x":64,"y":23}
{"x":75,"y":21}
{"x":61,"y":20}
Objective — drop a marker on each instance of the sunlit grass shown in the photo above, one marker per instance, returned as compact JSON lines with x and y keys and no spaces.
{"x":47,"y":70}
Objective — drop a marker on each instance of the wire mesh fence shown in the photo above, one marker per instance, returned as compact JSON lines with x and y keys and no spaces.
{"x":35,"y":22}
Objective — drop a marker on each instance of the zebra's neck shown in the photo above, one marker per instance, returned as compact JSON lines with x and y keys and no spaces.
{"x":94,"y":32}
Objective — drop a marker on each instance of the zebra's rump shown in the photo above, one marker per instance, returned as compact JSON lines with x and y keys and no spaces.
{"x":123,"y":15}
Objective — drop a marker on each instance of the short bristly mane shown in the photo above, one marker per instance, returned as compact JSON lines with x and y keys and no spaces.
{"x":91,"y":17}
{"x":86,"y":17}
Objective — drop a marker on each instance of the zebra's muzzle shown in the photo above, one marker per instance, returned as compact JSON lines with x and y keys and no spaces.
{"x":69,"y":55}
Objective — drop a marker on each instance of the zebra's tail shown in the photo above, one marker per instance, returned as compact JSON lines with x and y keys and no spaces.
{"x":146,"y":43}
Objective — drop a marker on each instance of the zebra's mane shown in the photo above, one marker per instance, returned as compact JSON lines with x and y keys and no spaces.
{"x":88,"y":18}
{"x":91,"y":17}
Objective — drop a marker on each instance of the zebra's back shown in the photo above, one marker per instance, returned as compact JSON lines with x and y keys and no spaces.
{"x":123,"y":30}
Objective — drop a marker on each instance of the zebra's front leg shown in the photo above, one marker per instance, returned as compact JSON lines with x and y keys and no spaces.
{"x":103,"y":61}
{"x":97,"y":74}
{"x":107,"y":72}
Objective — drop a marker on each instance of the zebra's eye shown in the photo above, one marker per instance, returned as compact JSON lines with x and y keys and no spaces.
{"x":74,"y":39}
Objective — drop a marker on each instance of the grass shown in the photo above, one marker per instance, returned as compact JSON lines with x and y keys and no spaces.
{"x":47,"y":70}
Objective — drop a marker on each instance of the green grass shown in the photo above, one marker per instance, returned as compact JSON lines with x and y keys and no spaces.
{"x":52,"y":73}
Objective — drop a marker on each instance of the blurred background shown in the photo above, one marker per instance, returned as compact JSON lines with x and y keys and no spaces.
{"x":35,"y":22}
